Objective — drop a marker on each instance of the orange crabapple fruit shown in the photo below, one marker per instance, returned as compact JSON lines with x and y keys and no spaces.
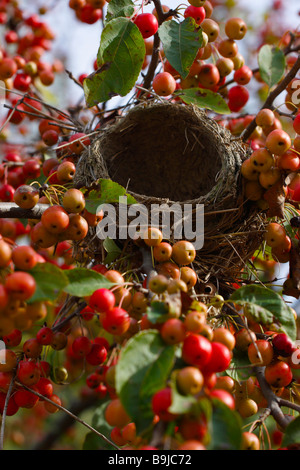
{"x":262,"y":159}
{"x":235,"y":28}
{"x":265,"y":117}
{"x":152,"y":236}
{"x":253,"y":191}
{"x":275,"y":234}
{"x":278,"y":142}
{"x":249,"y":171}
{"x":270,"y":177}
{"x":189,"y":380}
{"x":183,"y":252}
{"x":260,"y":352}
{"x":164,"y":84}
{"x":250,"y":441}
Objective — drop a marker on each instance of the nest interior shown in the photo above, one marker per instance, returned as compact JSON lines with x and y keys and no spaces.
{"x":168,"y":156}
{"x":163,"y":152}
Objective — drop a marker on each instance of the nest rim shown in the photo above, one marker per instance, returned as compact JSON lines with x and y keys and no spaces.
{"x":224,"y":207}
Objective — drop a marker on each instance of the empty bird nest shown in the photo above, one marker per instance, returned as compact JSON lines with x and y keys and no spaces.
{"x":169,"y":153}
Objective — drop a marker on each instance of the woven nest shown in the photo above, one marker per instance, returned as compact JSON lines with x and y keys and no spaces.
{"x":172,"y":153}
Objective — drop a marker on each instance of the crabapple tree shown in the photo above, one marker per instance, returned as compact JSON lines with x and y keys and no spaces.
{"x":131,"y":336}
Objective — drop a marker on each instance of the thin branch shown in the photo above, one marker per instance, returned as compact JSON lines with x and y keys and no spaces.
{"x":162,"y":16}
{"x":68,"y":412}
{"x":7,"y":398}
{"x":65,"y":423}
{"x":153,"y":63}
{"x":147,"y":266}
{"x":10,"y":210}
{"x":289,"y":404}
{"x":272,"y":96}
{"x":65,"y":320}
{"x":43,"y":103}
{"x":274,"y":402}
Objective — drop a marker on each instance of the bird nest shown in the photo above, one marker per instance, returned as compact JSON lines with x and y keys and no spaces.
{"x":170,"y":153}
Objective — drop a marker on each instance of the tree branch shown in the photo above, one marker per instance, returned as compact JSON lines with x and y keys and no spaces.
{"x":289,"y":404}
{"x":153,"y":63}
{"x":8,"y":395}
{"x":162,"y":16}
{"x":147,"y":266}
{"x":274,"y":402}
{"x":272,"y":96}
{"x":69,"y":413}
{"x":65,"y":422}
{"x":10,"y":210}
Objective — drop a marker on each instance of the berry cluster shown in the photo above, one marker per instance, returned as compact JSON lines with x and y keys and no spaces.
{"x":203,"y":73}
{"x":22,"y":65}
{"x":88,"y":11}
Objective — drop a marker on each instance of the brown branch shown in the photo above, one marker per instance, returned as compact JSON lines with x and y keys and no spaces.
{"x":40,"y":115}
{"x":274,"y":402}
{"x":69,"y":413}
{"x":10,"y":210}
{"x":289,"y":404}
{"x":71,"y":76}
{"x":65,"y":423}
{"x":272,"y":96}
{"x":162,"y":16}
{"x":7,"y":398}
{"x":153,"y":63}
{"x":147,"y":267}
{"x":43,"y":103}
{"x":65,"y":320}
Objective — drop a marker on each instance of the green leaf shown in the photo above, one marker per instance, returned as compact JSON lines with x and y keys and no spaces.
{"x":142,"y":369}
{"x":50,"y":281}
{"x":204,"y":99}
{"x":40,"y":179}
{"x":271,"y":61}
{"x":239,"y":366}
{"x":113,"y":251}
{"x":120,"y":58}
{"x":259,"y":314}
{"x":181,"y":42}
{"x":83,"y":282}
{"x":292,"y":433}
{"x":180,"y":403}
{"x":107,"y":192}
{"x":92,"y":440}
{"x":266,"y":306}
{"x":24,"y":222}
{"x":157,"y":312}
{"x":117,"y":8}
{"x":225,"y":428}
{"x":160,"y":311}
